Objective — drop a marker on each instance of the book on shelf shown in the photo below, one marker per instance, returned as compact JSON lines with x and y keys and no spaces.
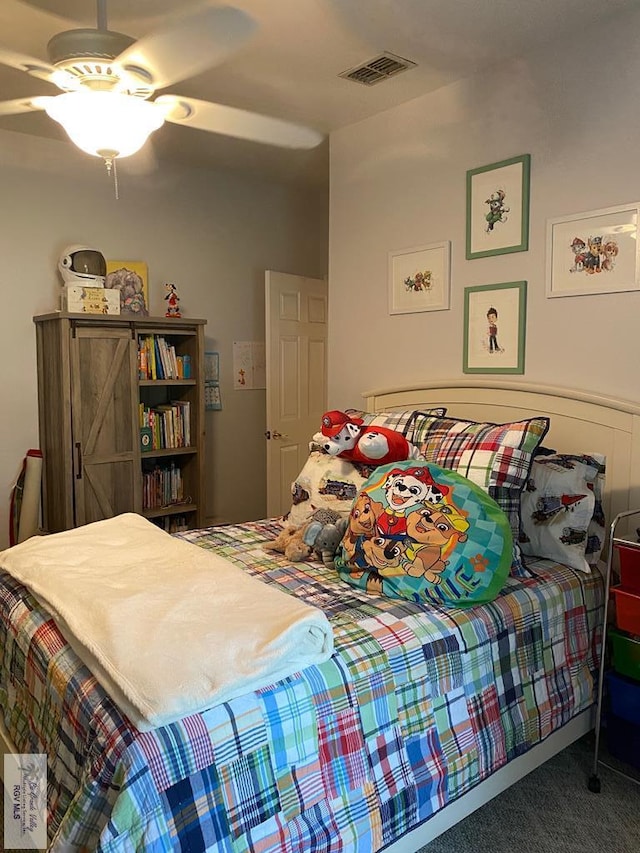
{"x":183,"y":366}
{"x":169,"y":424}
{"x":146,"y":438}
{"x":172,"y":523}
{"x":142,"y":361}
{"x":163,"y":486}
{"x":157,"y":359}
{"x":152,"y":358}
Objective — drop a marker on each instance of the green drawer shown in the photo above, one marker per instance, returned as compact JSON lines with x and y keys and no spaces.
{"x":626,"y":653}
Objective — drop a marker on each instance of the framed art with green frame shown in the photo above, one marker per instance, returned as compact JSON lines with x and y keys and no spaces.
{"x":498,"y":208}
{"x":495,"y":328}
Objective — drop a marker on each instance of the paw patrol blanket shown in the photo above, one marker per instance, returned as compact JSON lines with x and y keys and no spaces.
{"x":167,"y":628}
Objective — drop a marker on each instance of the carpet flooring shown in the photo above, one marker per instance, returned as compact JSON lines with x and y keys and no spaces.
{"x":550,"y":811}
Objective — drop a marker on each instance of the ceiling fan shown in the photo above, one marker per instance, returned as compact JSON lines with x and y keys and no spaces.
{"x":108,"y":80}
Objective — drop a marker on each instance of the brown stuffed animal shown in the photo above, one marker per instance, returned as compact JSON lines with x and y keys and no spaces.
{"x":320,"y":534}
{"x":289,"y":542}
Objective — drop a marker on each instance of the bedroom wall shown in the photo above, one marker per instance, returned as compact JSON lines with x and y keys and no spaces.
{"x":398,"y":181}
{"x":211,"y":233}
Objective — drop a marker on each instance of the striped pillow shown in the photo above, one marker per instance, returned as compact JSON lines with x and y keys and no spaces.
{"x":496,"y":457}
{"x":401,"y":421}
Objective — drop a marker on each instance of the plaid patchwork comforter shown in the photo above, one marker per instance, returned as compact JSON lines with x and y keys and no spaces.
{"x":417,"y":705}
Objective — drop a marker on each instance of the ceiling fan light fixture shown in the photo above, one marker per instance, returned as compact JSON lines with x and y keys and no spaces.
{"x":105,"y":124}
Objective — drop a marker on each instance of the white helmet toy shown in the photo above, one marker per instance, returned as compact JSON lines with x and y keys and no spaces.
{"x":82,"y":265}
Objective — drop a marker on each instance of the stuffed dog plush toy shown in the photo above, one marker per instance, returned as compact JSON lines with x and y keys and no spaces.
{"x":349,"y":439}
{"x":319,"y":536}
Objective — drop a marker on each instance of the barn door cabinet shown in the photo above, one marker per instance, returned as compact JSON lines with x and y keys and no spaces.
{"x":93,"y":394}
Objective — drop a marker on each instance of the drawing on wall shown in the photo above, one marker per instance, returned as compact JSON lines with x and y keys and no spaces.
{"x":595,"y":252}
{"x":494,"y":328}
{"x":498,"y":208}
{"x":249,"y":365}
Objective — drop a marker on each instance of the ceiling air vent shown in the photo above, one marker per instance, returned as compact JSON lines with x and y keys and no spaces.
{"x":377,"y":69}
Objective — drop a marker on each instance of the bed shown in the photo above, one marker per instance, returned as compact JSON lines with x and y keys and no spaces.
{"x":409,"y":727}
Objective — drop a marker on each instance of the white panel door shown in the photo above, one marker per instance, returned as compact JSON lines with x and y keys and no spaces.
{"x":296,"y":357}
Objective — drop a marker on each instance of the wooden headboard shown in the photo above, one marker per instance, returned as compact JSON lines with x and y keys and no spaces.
{"x":580,"y":422}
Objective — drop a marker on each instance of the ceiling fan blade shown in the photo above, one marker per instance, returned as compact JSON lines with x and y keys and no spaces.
{"x":242,"y":124}
{"x":195,"y":41}
{"x":37,"y":68}
{"x":20,"y":105}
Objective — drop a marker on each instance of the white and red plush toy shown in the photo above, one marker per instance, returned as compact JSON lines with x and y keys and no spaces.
{"x":348,"y":438}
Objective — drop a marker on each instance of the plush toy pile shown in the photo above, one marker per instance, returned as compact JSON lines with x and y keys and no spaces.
{"x":345,"y":437}
{"x":318,"y":537}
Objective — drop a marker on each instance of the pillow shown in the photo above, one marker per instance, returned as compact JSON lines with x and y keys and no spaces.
{"x":326,"y":482}
{"x":597,"y":533}
{"x":561,"y":509}
{"x":422,"y":533}
{"x":401,"y":421}
{"x":496,"y":457}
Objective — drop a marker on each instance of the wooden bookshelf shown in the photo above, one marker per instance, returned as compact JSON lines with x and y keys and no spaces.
{"x":90,"y":391}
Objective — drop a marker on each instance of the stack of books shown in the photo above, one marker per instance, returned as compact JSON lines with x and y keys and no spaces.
{"x":157,"y":359}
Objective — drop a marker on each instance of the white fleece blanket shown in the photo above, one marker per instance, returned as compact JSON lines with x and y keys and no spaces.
{"x":168,"y":628}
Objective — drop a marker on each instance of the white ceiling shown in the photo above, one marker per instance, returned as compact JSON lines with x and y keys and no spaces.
{"x":290,"y":68}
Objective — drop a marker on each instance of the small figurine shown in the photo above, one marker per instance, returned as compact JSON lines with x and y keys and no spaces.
{"x":173,"y":300}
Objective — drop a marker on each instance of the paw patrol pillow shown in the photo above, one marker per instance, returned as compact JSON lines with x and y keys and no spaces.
{"x":424,"y":533}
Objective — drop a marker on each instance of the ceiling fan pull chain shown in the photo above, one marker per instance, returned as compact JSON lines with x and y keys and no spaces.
{"x":115,"y":179}
{"x":110,"y":163}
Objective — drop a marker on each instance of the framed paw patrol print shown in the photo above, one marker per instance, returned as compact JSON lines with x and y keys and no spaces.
{"x":419,"y":278}
{"x":498,"y":208}
{"x":494,"y":328}
{"x":594,"y":252}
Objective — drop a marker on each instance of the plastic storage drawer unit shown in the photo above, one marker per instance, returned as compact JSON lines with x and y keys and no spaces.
{"x":624,"y":697}
{"x":627,"y":609}
{"x":629,"y":567}
{"x":623,"y":740}
{"x":626,"y":654}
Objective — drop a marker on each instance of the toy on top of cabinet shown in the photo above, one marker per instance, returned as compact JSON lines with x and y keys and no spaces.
{"x":173,"y":301}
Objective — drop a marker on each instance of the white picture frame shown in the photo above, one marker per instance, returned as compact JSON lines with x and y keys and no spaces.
{"x":419,"y":278}
{"x":593,"y":252}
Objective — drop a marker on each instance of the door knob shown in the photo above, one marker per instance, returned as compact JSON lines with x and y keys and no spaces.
{"x":275,"y":434}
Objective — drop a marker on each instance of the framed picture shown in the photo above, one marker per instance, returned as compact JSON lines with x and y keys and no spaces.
{"x":131,"y":278}
{"x":419,"y":278}
{"x":594,"y":252}
{"x":494,"y":328}
{"x":498,"y":208}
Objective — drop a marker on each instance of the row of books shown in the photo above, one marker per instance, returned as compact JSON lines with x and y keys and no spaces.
{"x":172,"y":523}
{"x":162,"y":486}
{"x":157,"y":359}
{"x":168,"y":426}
